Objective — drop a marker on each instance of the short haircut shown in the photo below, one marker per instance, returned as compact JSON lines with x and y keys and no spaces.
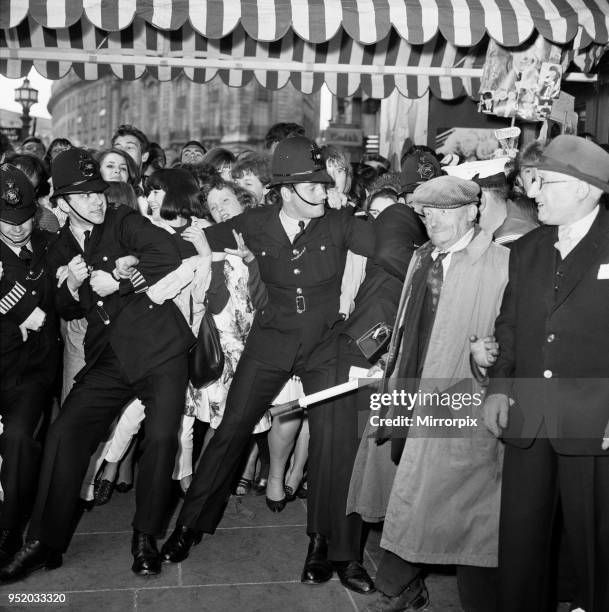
{"x":133,"y":173}
{"x":246,"y":198}
{"x":331,"y":155}
{"x":33,"y":139}
{"x":128,"y":130}
{"x":61,"y":142}
{"x":219,"y":158}
{"x":258,"y":164}
{"x":182,"y":196}
{"x":193,"y":143}
{"x":217,"y":182}
{"x":156,"y":157}
{"x":281,"y":131}
{"x":202,"y":172}
{"x":121,"y":193}
{"x":383,"y":192}
{"x":34,"y":168}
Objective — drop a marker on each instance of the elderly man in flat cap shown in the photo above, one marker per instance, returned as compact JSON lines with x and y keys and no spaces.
{"x":549,"y":393}
{"x":444,"y":504}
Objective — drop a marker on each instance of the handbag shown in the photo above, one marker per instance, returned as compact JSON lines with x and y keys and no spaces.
{"x":375,"y":341}
{"x":206,"y":357}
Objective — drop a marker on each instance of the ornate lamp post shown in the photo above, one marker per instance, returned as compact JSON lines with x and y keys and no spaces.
{"x":26,"y":96}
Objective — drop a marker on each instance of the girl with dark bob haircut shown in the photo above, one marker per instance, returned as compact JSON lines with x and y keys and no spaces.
{"x":181,"y":194}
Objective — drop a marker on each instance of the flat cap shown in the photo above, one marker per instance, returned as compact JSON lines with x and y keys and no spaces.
{"x":446,"y":192}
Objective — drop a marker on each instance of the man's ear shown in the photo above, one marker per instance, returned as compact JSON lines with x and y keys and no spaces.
{"x":145,"y":157}
{"x":63,"y":204}
{"x":472,"y":212}
{"x":286,"y":193}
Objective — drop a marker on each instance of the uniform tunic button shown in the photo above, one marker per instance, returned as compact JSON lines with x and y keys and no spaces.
{"x":547,"y":373}
{"x":104,"y":258}
{"x":106,"y":322}
{"x":263,"y":253}
{"x":33,"y":292}
{"x":322,"y":248}
{"x":100,"y":303}
{"x":551,"y":338}
{"x":299,"y":291}
{"x":295,"y":251}
{"x":296,"y":271}
{"x":150,"y":307}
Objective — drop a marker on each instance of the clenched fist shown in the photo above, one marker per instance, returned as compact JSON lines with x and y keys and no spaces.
{"x":78,"y":272}
{"x":103,"y":283}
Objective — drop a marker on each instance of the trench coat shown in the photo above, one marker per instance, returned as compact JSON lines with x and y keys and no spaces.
{"x":444,"y":503}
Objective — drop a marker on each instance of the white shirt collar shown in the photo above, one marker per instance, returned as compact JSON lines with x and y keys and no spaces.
{"x":290,"y":225}
{"x":577,"y":230}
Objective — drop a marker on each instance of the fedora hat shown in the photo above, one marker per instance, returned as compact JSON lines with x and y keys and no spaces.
{"x":577,"y":157}
{"x":17,"y":203}
{"x":75,"y":171}
{"x":297,"y":159}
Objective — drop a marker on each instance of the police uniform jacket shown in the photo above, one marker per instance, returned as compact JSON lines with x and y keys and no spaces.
{"x":400,"y":232}
{"x":303,"y":279}
{"x":553,"y":333}
{"x":23,"y":287}
{"x":141,"y":333}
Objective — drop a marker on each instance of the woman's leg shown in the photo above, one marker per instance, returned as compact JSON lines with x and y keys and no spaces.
{"x":281,"y":441}
{"x":183,"y":466}
{"x":301,"y":454}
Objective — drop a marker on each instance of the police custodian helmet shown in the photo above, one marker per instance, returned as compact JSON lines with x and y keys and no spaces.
{"x":297,"y":159}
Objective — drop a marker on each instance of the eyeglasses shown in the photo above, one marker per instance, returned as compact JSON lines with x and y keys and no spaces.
{"x":540,"y":181}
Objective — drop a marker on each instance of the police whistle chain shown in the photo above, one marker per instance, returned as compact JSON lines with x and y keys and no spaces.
{"x":319,"y":396}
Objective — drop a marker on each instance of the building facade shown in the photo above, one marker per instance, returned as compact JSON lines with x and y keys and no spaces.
{"x":174,"y":112}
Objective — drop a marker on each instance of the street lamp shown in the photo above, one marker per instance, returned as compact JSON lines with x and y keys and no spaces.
{"x":26,"y":96}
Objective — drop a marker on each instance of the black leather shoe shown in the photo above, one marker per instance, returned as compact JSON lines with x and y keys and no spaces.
{"x":413,"y":598}
{"x":354,"y":577}
{"x":32,"y":556}
{"x":103,"y":491}
{"x":259,"y":486}
{"x":177,"y":546}
{"x":317,"y":568}
{"x":124,"y":487}
{"x":11,"y":541}
{"x":276,"y":506}
{"x":146,"y":557}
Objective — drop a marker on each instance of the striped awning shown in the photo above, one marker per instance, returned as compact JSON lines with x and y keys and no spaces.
{"x":378,"y":45}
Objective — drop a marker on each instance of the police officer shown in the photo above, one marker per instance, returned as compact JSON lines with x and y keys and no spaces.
{"x":29,"y":349}
{"x":301,"y":248}
{"x":133,"y":347}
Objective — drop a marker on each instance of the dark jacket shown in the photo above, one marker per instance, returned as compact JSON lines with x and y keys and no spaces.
{"x":142,"y":334}
{"x":303,"y":279}
{"x":553,"y":333}
{"x":400,"y":232}
{"x":24,"y":287}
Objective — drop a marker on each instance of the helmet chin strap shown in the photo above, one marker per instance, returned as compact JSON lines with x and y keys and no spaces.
{"x":323,"y":202}
{"x":78,"y":214}
{"x":19,"y":243}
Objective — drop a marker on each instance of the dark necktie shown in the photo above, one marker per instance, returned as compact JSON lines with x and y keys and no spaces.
{"x":301,"y":229}
{"x":26,"y":255}
{"x":86,"y":241}
{"x":435,"y":279}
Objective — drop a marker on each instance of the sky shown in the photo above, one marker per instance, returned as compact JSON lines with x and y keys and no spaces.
{"x":8,"y":86}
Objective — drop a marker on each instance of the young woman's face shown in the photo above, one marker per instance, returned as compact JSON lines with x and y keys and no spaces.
{"x":155,"y":199}
{"x":114,"y":168}
{"x":223,"y":204}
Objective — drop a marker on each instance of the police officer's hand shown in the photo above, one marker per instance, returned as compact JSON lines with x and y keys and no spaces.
{"x":484,"y":350}
{"x":605,"y":442}
{"x":125,"y":266}
{"x":336,"y":199}
{"x":103,"y":283}
{"x":496,"y":409}
{"x":1,"y":270}
{"x":33,"y":323}
{"x":197,"y":237}
{"x":77,"y":273}
{"x":241,"y":250}
{"x":61,"y":275}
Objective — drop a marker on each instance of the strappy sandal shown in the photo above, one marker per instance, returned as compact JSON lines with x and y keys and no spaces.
{"x":243,"y":487}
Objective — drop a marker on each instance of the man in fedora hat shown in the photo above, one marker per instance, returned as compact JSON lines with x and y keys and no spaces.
{"x":29,"y":351}
{"x":133,"y":347}
{"x":549,"y":396}
{"x":301,"y":248}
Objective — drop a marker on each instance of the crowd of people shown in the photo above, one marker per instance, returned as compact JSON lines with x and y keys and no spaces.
{"x":449,"y":280}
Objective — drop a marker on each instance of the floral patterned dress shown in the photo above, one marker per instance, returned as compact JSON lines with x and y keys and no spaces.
{"x":234,"y":324}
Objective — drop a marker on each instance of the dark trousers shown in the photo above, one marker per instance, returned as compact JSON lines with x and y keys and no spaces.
{"x":252,"y":390}
{"x":332,"y":449}
{"x":477,"y":585}
{"x":533,"y":481}
{"x":87,"y":413}
{"x":21,"y":408}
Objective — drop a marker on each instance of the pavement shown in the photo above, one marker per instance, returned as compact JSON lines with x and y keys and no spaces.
{"x":251,"y":564}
